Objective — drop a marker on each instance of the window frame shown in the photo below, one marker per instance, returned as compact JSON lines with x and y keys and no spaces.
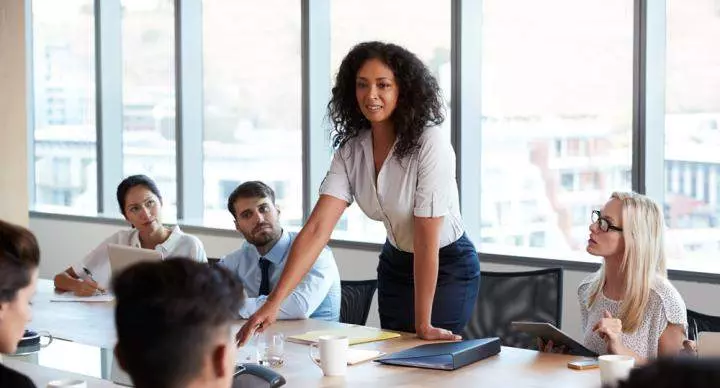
{"x":647,"y":172}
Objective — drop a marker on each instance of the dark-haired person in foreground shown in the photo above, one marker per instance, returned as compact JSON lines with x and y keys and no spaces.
{"x":141,"y":204}
{"x":19,"y":260}
{"x":173,"y":320}
{"x":676,"y":372}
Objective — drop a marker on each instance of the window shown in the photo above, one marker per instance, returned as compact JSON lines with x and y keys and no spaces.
{"x":556,"y":82}
{"x":424,"y":29}
{"x":149,"y":95}
{"x":252,"y":102}
{"x":692,"y":113}
{"x":64,"y":106}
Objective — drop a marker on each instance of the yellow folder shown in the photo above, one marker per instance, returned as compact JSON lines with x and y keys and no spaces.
{"x":356,"y":335}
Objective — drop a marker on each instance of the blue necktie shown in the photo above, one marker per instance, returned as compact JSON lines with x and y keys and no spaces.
{"x":265,"y":279}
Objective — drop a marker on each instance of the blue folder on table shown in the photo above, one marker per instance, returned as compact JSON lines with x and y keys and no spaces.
{"x":444,"y":355}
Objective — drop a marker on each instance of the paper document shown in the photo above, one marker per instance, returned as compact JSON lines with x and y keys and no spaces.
{"x":70,"y":297}
{"x":356,"y":335}
{"x":356,"y":356}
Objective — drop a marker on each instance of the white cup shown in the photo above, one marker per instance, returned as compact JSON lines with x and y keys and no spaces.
{"x":69,"y":383}
{"x":333,"y":354}
{"x":614,"y":368}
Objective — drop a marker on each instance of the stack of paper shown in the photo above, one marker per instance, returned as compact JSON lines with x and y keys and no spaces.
{"x":356,"y":335}
{"x":70,"y":297}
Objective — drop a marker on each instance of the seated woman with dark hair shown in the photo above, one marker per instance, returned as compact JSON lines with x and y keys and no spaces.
{"x":19,"y":260}
{"x":141,"y":204}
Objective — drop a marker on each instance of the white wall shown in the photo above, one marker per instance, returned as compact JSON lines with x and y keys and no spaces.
{"x":13,"y":121}
{"x":63,"y":242}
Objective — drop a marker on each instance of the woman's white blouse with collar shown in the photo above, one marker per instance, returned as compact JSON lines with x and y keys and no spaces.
{"x":420,"y":185}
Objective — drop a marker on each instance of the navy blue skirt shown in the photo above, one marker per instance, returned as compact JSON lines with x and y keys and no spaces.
{"x":455,"y":294}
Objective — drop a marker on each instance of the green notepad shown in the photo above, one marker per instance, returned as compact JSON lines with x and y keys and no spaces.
{"x":356,"y":335}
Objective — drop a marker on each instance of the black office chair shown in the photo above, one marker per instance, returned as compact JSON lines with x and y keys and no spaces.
{"x":357,"y":297}
{"x":213,"y":261}
{"x":256,"y":376}
{"x":505,"y":297}
{"x":698,"y":322}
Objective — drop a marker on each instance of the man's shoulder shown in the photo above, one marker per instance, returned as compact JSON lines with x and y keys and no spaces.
{"x":326,"y":252}
{"x":235,"y":257}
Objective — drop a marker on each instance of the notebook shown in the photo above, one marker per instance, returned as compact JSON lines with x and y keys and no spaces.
{"x":356,"y":335}
{"x":70,"y":297}
{"x":444,"y":355}
{"x":123,"y":256}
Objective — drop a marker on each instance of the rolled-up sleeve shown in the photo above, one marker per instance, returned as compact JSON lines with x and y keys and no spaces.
{"x":435,"y":177}
{"x":336,"y":182}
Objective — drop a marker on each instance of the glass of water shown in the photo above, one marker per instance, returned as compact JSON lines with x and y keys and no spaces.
{"x":271,"y":349}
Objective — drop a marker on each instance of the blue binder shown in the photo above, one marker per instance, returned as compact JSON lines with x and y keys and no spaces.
{"x":444,"y":355}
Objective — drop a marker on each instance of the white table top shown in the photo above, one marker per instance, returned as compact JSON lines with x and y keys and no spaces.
{"x":93,"y":324}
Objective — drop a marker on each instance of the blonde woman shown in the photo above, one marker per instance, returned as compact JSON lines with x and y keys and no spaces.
{"x":629,"y":307}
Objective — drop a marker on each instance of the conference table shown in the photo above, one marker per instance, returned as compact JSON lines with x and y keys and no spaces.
{"x":92,"y":325}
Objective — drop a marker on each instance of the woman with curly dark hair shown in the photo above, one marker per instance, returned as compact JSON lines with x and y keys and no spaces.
{"x":393,"y":159}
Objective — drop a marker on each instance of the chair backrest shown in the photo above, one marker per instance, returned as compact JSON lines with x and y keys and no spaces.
{"x":505,"y":297}
{"x":257,"y":376}
{"x":698,"y":322}
{"x":357,"y":297}
{"x":213,"y":261}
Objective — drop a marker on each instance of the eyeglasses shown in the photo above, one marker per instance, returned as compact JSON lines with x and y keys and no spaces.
{"x":604,"y":224}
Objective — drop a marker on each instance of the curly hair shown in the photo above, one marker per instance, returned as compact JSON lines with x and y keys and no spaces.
{"x":419,"y":103}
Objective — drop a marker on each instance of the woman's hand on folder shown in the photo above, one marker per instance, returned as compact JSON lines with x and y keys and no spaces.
{"x":428,"y":332}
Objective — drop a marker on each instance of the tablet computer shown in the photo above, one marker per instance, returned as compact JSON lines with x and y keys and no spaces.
{"x":123,"y":256}
{"x":547,"y":331}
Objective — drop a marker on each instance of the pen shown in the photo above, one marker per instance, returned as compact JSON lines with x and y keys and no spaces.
{"x":88,"y":273}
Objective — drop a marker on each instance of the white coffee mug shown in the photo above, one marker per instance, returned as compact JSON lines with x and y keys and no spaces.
{"x":614,"y":368}
{"x":333,"y":354}
{"x":69,"y":383}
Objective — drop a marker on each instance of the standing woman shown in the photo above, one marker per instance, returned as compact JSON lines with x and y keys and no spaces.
{"x":19,"y":260}
{"x":393,"y":159}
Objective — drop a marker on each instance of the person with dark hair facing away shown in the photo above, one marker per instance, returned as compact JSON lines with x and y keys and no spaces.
{"x":173,"y":320}
{"x":261,"y":259}
{"x":675,"y":372}
{"x":141,"y":204}
{"x":19,"y":261}
{"x":394,"y":160}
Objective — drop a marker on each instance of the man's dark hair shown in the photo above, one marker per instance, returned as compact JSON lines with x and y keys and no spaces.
{"x":166,"y":316}
{"x":249,"y":189}
{"x":19,"y":256}
{"x":674,"y":372}
{"x":132,"y":181}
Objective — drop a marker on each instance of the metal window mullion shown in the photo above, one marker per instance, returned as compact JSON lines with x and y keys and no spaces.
{"x":316,"y":84}
{"x":108,"y":102}
{"x":466,"y":115}
{"x":189,"y":110}
{"x":649,"y":98}
{"x":30,"y":101}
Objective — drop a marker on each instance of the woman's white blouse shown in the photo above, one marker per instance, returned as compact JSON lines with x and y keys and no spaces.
{"x":665,"y":307}
{"x":178,"y":244}
{"x":421,"y":185}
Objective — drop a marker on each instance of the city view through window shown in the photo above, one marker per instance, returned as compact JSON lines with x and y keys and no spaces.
{"x":556,"y":140}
